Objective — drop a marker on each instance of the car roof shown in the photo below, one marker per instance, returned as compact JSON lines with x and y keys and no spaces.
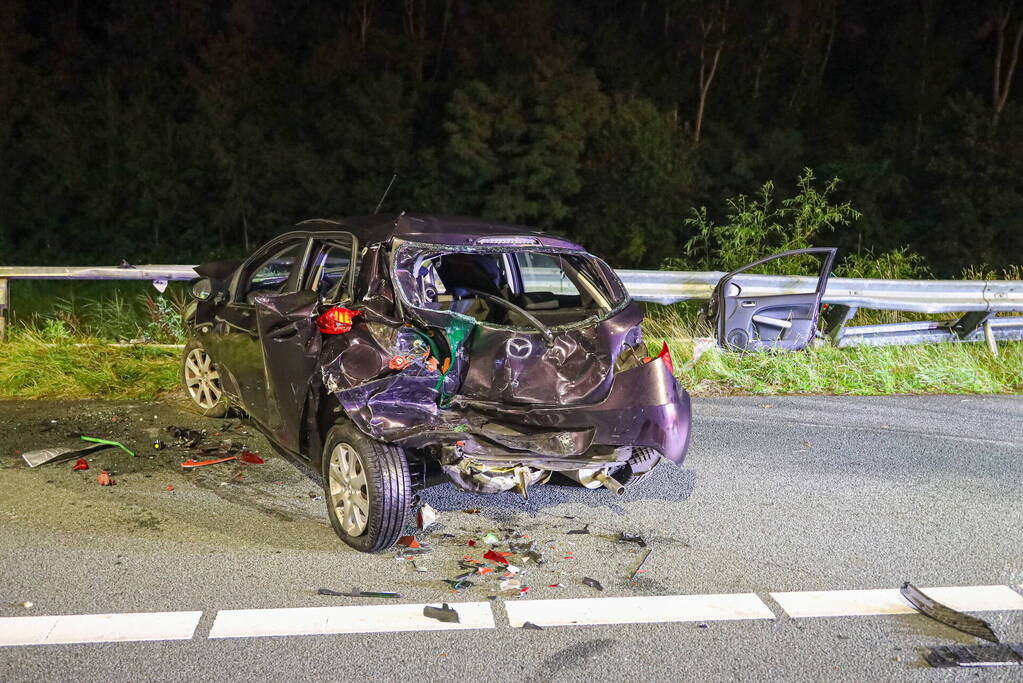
{"x":452,"y":230}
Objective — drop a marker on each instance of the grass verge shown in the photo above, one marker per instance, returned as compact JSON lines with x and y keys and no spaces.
{"x":35,"y":366}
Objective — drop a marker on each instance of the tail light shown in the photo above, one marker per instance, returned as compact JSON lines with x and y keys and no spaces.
{"x":336,"y":320}
{"x":664,"y":355}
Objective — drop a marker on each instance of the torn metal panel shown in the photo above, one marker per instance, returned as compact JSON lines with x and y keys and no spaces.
{"x":946,"y":615}
{"x":1005,"y":654}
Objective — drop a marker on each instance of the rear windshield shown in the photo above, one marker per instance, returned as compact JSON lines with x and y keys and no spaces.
{"x":503,"y":286}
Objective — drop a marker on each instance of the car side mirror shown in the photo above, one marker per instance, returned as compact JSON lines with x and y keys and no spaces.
{"x":204,"y":289}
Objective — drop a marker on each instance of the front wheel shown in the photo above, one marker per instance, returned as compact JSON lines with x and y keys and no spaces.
{"x":201,"y":379}
{"x":367,"y":488}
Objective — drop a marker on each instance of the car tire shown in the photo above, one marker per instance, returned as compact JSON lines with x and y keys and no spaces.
{"x":201,"y":381}
{"x":367,"y":487}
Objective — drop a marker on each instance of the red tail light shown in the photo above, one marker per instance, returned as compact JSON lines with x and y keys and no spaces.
{"x":336,"y":320}
{"x":665,"y":355}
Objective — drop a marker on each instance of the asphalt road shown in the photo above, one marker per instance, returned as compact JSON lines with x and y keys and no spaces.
{"x":778,"y":494}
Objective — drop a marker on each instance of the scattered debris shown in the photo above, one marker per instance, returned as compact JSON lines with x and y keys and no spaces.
{"x":530,"y":626}
{"x":703,"y":624}
{"x":533,"y":556}
{"x":511,"y":585}
{"x":491,"y":539}
{"x":592,"y":583}
{"x":625,"y":537}
{"x":188,"y":464}
{"x":946,"y":615}
{"x":356,"y":592}
{"x":251,"y":458}
{"x":472,"y":511}
{"x":459,"y":584}
{"x":80,"y":465}
{"x":1004,"y":654}
{"x":444,"y":613}
{"x":409,"y":542}
{"x":169,"y":488}
{"x":104,"y":479}
{"x":107,"y":442}
{"x":43,"y":456}
{"x":425,"y":516}
{"x":584,"y":530}
{"x":642,"y":563}
{"x":159,"y":445}
{"x":496,"y":557}
{"x":183,"y":436}
{"x":471,"y":543}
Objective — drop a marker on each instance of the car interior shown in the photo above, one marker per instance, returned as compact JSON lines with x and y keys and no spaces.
{"x":556,"y":289}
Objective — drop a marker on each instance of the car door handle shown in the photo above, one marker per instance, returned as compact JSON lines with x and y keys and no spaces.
{"x":775,"y":322}
{"x":748,"y":304}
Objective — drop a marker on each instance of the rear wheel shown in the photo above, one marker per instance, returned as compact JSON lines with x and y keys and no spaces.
{"x":367,"y":488}
{"x":201,"y":379}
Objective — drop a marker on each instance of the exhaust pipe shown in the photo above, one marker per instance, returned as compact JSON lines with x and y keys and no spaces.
{"x":610,"y":482}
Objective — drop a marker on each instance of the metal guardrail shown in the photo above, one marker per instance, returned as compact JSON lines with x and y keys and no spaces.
{"x":977,"y":300}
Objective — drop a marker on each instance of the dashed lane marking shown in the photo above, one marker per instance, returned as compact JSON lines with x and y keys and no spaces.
{"x":890,"y":601}
{"x":252,"y":623}
{"x":98,"y":628}
{"x":639,"y":610}
{"x":306,"y":621}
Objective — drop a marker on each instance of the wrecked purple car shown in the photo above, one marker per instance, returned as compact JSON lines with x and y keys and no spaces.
{"x":372,"y":346}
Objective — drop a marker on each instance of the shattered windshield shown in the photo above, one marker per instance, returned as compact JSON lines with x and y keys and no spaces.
{"x":515,"y":287}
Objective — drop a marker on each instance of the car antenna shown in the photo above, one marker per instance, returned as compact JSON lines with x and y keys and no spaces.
{"x":386,"y":192}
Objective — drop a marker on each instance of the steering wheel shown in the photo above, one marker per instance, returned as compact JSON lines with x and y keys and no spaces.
{"x":518,"y":309}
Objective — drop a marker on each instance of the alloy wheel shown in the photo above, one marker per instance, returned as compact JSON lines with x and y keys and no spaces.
{"x":349,"y":489}
{"x":202,"y":379}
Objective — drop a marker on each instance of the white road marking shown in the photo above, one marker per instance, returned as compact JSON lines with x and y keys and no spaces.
{"x":98,"y":628}
{"x":890,"y":601}
{"x":306,"y":621}
{"x":639,"y":610}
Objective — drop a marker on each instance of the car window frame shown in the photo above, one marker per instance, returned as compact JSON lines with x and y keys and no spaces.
{"x":328,"y":239}
{"x":242,"y":277}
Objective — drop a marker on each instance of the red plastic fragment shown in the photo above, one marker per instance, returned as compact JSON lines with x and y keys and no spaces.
{"x":471,"y":542}
{"x":665,"y":355}
{"x":252,"y":458}
{"x":398,"y":363}
{"x":80,"y":464}
{"x":525,"y":589}
{"x":409,"y":542}
{"x":485,"y":570}
{"x":169,"y":488}
{"x":495,"y":557}
{"x":336,"y":320}
{"x":104,"y":479}
{"x":201,"y":463}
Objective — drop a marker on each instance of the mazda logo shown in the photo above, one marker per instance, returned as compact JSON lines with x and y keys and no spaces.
{"x":517,"y":347}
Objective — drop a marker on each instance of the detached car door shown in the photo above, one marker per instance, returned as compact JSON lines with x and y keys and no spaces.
{"x":748,"y":321}
{"x":290,"y":338}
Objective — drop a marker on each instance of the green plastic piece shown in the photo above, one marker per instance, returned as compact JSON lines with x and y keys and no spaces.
{"x":105,"y":442}
{"x":491,"y":539}
{"x":457,"y":332}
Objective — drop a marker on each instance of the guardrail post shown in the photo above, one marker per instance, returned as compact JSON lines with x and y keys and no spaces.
{"x":989,"y":336}
{"x":5,"y":306}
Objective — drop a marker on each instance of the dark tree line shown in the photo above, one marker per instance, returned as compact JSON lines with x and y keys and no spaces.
{"x":173,"y":131}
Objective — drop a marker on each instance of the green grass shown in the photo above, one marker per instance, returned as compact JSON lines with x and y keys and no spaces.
{"x":967,"y":368}
{"x":34,"y":365}
{"x":52,"y":357}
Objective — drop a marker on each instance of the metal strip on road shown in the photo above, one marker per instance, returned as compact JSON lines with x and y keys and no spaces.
{"x":98,"y":628}
{"x":889,"y":601}
{"x":308,"y":621}
{"x":640,"y":610}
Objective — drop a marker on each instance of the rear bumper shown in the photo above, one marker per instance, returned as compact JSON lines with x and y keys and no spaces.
{"x":645,"y":407}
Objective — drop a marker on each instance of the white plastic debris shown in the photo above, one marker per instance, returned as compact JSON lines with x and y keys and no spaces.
{"x":426,"y":516}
